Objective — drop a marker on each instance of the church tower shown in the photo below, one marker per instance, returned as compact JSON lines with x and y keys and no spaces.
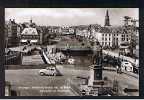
{"x":107,"y":21}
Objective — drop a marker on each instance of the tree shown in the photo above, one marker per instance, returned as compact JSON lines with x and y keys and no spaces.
{"x":133,"y":43}
{"x":132,"y":46}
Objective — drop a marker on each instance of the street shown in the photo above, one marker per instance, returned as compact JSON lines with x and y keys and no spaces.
{"x":89,"y":52}
{"x":29,"y":78}
{"x":31,"y":83}
{"x":28,"y":82}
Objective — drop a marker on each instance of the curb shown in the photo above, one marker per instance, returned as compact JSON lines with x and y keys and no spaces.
{"x":128,"y":73}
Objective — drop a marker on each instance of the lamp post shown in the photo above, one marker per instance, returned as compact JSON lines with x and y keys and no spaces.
{"x":95,"y":79}
{"x":97,"y":61}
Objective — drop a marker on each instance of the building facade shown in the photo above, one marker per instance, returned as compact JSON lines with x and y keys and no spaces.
{"x":12,"y":29}
{"x":31,"y":33}
{"x":67,"y":30}
{"x":114,"y":36}
{"x":110,"y":36}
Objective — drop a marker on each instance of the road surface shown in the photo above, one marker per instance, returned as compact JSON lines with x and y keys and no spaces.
{"x":29,"y":78}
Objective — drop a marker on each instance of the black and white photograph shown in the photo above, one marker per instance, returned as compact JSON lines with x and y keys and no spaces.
{"x":71,"y":51}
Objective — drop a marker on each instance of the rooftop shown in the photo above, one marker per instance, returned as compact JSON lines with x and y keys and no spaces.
{"x":29,"y":31}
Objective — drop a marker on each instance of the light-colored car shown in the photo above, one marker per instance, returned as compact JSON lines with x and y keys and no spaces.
{"x":48,"y":71}
{"x":126,"y":66}
{"x":71,"y":61}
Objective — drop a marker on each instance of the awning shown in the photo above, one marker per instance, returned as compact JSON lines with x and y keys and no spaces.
{"x":34,"y":41}
{"x":23,"y":40}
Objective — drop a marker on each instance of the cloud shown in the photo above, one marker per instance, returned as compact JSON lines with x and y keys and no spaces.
{"x":70,"y":16}
{"x":51,"y":12}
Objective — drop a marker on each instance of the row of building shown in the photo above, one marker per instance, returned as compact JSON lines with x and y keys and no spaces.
{"x":17,"y":34}
{"x":107,"y":35}
{"x":111,"y":36}
{"x":20,"y":33}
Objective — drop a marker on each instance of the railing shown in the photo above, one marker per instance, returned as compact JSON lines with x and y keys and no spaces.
{"x":14,"y":58}
{"x":11,"y":56}
{"x":74,"y":47}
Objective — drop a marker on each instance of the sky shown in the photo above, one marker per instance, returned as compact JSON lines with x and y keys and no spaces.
{"x":70,"y":16}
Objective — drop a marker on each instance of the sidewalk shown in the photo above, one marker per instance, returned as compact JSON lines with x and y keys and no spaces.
{"x":19,"y":48}
{"x":32,"y":60}
{"x":121,"y":56}
{"x":125,"y":72}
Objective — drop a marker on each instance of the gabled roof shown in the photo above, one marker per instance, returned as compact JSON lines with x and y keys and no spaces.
{"x":29,"y":31}
{"x":115,"y":29}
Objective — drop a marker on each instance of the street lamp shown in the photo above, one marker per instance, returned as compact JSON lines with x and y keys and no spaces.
{"x":97,"y":61}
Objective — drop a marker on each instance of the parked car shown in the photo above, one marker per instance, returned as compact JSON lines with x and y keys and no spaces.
{"x":127,"y":66}
{"x":136,"y":66}
{"x":48,"y":71}
{"x":71,"y":61}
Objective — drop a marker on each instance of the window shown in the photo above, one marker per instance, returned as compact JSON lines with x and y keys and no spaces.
{"x":109,"y":34}
{"x":105,"y":34}
{"x":33,"y":32}
{"x":122,"y":39}
{"x":26,"y":32}
{"x":102,"y":43}
{"x":117,"y":34}
{"x":109,"y":39}
{"x":127,"y":39}
{"x":105,"y":39}
{"x":114,"y":34}
{"x":102,"y":38}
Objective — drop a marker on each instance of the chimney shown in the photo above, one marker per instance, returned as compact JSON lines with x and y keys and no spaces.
{"x":126,"y":20}
{"x":31,"y":20}
{"x":13,"y":20}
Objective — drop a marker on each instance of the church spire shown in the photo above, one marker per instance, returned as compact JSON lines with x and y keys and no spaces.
{"x":107,"y":21}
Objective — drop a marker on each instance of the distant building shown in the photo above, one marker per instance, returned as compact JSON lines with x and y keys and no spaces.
{"x":49,"y":33}
{"x":67,"y":30}
{"x":110,"y":36}
{"x":87,"y":31}
{"x":54,"y":30}
{"x":12,"y":30}
{"x":31,"y":33}
{"x":114,"y":36}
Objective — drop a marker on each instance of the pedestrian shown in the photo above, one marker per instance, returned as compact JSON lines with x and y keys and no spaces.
{"x":117,"y":68}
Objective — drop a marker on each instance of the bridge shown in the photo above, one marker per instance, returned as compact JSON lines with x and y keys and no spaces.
{"x":24,"y":48}
{"x":75,"y":50}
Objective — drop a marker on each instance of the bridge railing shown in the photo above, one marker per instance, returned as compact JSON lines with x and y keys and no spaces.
{"x":11,"y":56}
